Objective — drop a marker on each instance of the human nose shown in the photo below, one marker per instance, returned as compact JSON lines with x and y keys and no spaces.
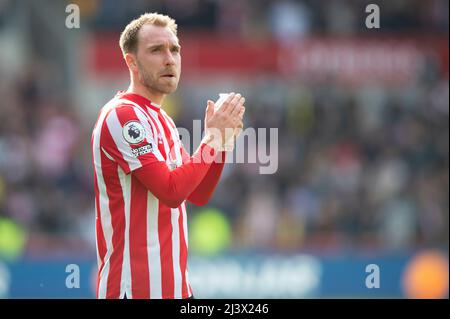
{"x":169,"y":58}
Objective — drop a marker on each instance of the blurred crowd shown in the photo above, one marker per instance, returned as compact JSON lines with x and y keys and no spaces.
{"x":45,"y":186}
{"x":358,"y":168}
{"x":275,"y":17}
{"x":361,"y":168}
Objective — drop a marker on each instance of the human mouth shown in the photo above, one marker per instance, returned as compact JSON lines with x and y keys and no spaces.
{"x":168,"y":75}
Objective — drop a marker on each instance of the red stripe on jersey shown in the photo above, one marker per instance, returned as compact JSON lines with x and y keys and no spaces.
{"x":116,"y":208}
{"x":168,"y":123}
{"x":167,"y":134}
{"x":169,"y":120}
{"x":165,"y":240}
{"x":157,"y":140}
{"x":140,"y":281}
{"x":126,"y":113}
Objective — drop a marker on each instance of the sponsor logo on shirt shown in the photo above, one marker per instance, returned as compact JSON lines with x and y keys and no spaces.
{"x":147,"y":148}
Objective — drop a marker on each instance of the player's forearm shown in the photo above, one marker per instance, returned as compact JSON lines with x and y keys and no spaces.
{"x":202,"y":194}
{"x":173,"y":187}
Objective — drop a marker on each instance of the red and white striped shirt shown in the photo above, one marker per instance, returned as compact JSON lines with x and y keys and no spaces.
{"x":141,"y":234}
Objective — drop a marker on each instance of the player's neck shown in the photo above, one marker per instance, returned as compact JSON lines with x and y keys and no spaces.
{"x":143,"y":91}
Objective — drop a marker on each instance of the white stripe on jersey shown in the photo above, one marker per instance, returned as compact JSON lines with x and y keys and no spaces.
{"x":96,"y":237}
{"x":105,"y":214}
{"x":177,"y":279}
{"x":153,"y":249}
{"x":125,"y":183}
{"x":185,"y":228}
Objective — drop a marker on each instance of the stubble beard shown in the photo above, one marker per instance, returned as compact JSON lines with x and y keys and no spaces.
{"x":151,"y":83}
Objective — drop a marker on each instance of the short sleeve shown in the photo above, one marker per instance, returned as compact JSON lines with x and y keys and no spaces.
{"x":127,"y":138}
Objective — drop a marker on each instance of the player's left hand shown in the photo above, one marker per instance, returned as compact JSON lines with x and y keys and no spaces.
{"x":237,"y":131}
{"x":240,"y":127}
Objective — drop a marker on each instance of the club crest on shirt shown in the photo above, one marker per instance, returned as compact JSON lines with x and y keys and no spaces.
{"x":133,"y":132}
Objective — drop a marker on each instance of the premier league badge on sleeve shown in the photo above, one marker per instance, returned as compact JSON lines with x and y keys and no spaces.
{"x":133,"y":132}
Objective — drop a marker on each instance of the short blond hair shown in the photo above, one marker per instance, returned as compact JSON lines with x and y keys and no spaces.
{"x":129,"y":38}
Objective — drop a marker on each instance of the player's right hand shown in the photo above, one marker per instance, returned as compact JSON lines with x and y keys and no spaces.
{"x":221,"y":124}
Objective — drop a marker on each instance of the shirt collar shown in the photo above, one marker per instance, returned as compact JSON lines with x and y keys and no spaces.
{"x":139,"y":99}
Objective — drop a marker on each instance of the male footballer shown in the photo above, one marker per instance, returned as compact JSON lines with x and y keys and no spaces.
{"x":143,"y":174}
